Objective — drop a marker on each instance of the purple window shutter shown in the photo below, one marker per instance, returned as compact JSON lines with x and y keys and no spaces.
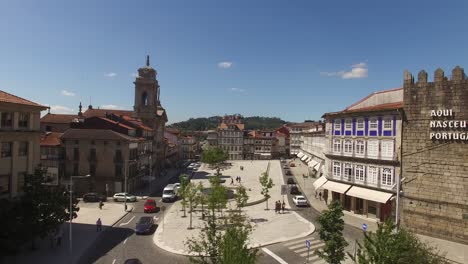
{"x":380,"y":126}
{"x":342,"y":126}
{"x":354,"y":126}
{"x":394,"y":125}
{"x":366,"y":124}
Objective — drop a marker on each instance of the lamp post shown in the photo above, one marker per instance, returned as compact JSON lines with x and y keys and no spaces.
{"x":125,"y":181}
{"x":71,"y":209}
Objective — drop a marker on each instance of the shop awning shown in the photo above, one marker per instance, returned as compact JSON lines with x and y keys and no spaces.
{"x":368,"y":194}
{"x":309,"y":159}
{"x":304,"y":158}
{"x":317,"y":166}
{"x":319,"y":182}
{"x":312,"y":163}
{"x":336,"y":186}
{"x":300,"y":154}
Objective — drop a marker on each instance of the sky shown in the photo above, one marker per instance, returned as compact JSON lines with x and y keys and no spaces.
{"x":290,"y":59}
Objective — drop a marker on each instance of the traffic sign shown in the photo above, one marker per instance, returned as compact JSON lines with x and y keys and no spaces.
{"x":308,"y":244}
{"x":364,"y":227}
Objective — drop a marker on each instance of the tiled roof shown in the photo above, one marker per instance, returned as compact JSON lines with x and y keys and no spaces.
{"x":116,"y":123}
{"x":137,"y":122}
{"x":172,"y":130}
{"x":103,"y":112}
{"x":303,"y":124}
{"x":50,"y":139}
{"x":13,"y":99}
{"x":96,"y":134}
{"x":58,"y":118}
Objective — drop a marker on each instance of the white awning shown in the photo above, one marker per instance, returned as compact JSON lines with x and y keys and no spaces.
{"x":336,"y":186}
{"x":368,"y":194}
{"x":319,"y":182}
{"x":317,"y":166}
{"x":312,"y":163}
{"x":265,"y":154}
{"x":300,"y":154}
{"x":309,"y":159}
{"x":304,"y":158}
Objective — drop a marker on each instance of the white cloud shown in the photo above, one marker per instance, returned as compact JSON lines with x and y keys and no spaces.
{"x":110,"y":106}
{"x":237,"y":90}
{"x":67,"y":93}
{"x":110,"y":74}
{"x":60,"y":109}
{"x":358,"y":70}
{"x":225,"y":64}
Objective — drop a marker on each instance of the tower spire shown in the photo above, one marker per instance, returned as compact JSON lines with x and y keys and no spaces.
{"x":147,"y":61}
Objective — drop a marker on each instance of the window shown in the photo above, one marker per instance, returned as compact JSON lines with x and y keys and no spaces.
{"x":48,"y":128}
{"x":373,"y":124}
{"x":360,"y":147}
{"x":118,"y":170}
{"x":337,"y":124}
{"x":348,"y":171}
{"x":337,"y":145}
{"x":23,"y":149}
{"x":348,"y":146}
{"x":6,"y":149}
{"x":348,"y":124}
{"x":336,"y":169}
{"x":372,"y":174}
{"x":387,"y":123}
{"x":92,"y":154}
{"x":20,"y":181}
{"x":23,"y":120}
{"x":387,"y":149}
{"x":372,"y":148}
{"x":76,"y":142}
{"x":4,"y":184}
{"x":144,"y":99}
{"x":92,"y":169}
{"x":75,"y":169}
{"x":76,"y":154}
{"x":387,"y":176}
{"x":7,"y":119}
{"x":359,"y":173}
{"x":360,"y":124}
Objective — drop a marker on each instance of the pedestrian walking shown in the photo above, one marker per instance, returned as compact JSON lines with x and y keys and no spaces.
{"x":232,"y":181}
{"x":316,"y":194}
{"x":325,"y":196}
{"x":100,"y":205}
{"x":276,"y":207}
{"x":320,"y":196}
{"x":283,"y":205}
{"x":98,"y":225}
{"x":239,"y":179}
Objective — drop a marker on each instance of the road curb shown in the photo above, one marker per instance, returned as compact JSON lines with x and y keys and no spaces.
{"x":118,"y":220}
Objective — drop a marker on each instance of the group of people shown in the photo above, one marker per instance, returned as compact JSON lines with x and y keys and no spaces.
{"x":279,"y":207}
{"x":238,"y":180}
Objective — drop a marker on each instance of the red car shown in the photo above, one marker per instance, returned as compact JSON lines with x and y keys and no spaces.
{"x":150,"y":206}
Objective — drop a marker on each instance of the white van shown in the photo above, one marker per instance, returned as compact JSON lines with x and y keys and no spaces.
{"x":169,"y":193}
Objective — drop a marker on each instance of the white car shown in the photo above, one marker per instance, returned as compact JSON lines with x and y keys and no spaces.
{"x":120,"y":197}
{"x":300,"y":200}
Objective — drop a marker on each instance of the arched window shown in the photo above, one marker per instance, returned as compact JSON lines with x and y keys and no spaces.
{"x":144,"y":98}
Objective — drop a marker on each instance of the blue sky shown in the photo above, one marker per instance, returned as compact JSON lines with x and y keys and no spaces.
{"x":292,"y":59}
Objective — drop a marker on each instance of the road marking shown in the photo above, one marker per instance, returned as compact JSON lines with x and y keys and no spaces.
{"x":113,"y":262}
{"x":273,"y":255}
{"x":125,"y":241}
{"x":122,"y":224}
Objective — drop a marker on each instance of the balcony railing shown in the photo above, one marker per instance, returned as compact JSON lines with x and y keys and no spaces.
{"x":366,"y":182}
{"x":362,"y":156}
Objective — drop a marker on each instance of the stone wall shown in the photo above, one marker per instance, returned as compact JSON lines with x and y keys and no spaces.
{"x":435,"y":199}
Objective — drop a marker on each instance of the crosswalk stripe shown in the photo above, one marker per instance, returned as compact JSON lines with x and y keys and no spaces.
{"x":300,"y":240}
{"x":303,"y":244}
{"x":311,"y":248}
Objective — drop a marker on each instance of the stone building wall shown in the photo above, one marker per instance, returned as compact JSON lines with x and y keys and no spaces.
{"x":435,"y":171}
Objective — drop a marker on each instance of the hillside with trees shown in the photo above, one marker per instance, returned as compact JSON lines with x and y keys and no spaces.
{"x":251,"y":123}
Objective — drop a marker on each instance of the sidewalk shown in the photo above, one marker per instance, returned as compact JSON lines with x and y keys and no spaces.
{"x":84,"y":234}
{"x":269,"y":227}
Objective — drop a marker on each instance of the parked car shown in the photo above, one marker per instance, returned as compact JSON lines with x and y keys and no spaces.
{"x":290,"y":181}
{"x":149,"y":206}
{"x":121,"y":197}
{"x":300,"y":200}
{"x":288,"y":172}
{"x":292,"y":164}
{"x":294,"y":190}
{"x":94,"y":197}
{"x":133,"y":261}
{"x":170,"y":193}
{"x":144,"y":225}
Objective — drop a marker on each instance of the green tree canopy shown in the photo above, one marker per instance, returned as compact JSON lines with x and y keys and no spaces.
{"x":267,"y":184}
{"x":214,"y":157}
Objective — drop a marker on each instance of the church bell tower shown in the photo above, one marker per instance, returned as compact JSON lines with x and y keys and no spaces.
{"x":146,"y":93}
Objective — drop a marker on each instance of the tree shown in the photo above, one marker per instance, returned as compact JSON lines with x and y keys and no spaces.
{"x":191,"y":194}
{"x":201,"y":197}
{"x":234,"y":246}
{"x":331,"y":228}
{"x":214,"y":157}
{"x":387,"y":246}
{"x":241,"y":198}
{"x":182,"y":191}
{"x":267,"y":184}
{"x":217,"y":198}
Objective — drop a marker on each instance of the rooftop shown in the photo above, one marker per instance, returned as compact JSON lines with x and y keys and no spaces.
{"x":50,"y":139}
{"x":97,"y":134}
{"x":13,"y":99}
{"x":58,"y":118}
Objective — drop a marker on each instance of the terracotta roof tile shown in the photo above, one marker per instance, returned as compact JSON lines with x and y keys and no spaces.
{"x":13,"y":99}
{"x":103,"y":112}
{"x":51,"y":139}
{"x":58,"y":118}
{"x":96,"y":134}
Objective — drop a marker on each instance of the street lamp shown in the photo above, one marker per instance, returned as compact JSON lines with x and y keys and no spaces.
{"x":71,"y":209}
{"x":125,"y":182}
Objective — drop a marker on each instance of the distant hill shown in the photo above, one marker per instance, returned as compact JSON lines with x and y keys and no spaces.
{"x":251,"y":123}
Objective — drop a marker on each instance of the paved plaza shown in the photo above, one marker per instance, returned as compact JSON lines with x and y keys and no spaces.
{"x":269,"y":227}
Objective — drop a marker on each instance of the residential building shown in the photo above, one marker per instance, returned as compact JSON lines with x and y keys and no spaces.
{"x":173,"y":151}
{"x":231,"y":135}
{"x":212,"y":138}
{"x":296,"y":131}
{"x":57,"y":122}
{"x":313,"y":148}
{"x":265,"y":145}
{"x":189,"y":147}
{"x":52,"y":157}
{"x":19,"y":142}
{"x":282,"y":137}
{"x":363,"y":156}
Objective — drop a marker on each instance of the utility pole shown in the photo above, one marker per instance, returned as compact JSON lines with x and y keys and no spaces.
{"x":151,"y":173}
{"x":125,"y":185}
